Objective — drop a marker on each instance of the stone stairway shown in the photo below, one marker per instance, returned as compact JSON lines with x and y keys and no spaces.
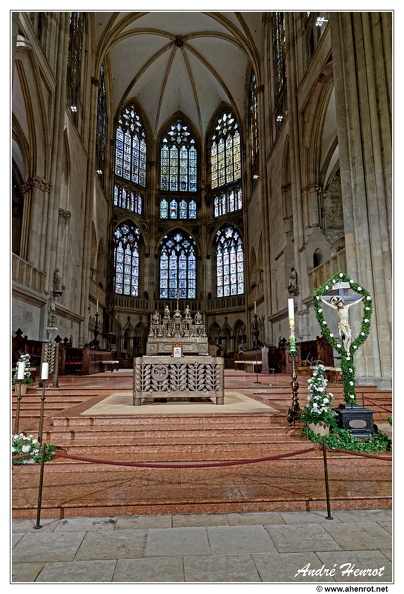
{"x":120,"y":464}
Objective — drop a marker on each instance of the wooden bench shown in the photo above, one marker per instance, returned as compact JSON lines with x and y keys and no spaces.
{"x":238,"y":364}
{"x":252,"y":366}
{"x":333,"y":374}
{"x":110,"y":365}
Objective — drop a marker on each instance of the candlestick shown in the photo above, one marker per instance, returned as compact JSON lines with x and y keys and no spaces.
{"x":45,"y":371}
{"x":21,"y":370}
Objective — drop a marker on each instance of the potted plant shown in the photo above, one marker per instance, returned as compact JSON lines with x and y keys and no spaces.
{"x":24,"y":358}
{"x":318,"y":414}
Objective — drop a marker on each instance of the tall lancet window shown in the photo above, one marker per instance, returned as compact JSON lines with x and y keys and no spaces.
{"x":253,"y":119}
{"x":126,"y":260}
{"x":177,"y":266}
{"x":178,"y":159}
{"x":225,"y":165}
{"x":130,"y":148}
{"x":130,"y":161}
{"x":74,"y":62}
{"x":229,"y":262}
{"x":102,"y":123}
{"x":279,"y":66}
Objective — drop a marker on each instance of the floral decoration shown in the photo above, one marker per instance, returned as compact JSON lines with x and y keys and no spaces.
{"x":318,"y":408}
{"x":26,"y":449}
{"x":347,"y":364}
{"x":24,"y":358}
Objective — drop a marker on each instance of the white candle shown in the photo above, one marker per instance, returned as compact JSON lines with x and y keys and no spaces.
{"x":97,"y":305}
{"x":45,"y":371}
{"x":255,"y":307}
{"x":291,"y":309}
{"x":21,"y":370}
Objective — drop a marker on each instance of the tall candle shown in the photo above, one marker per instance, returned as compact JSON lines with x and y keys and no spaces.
{"x":291,"y":310}
{"x":97,"y":305}
{"x":255,"y":307}
{"x":21,"y":370}
{"x":45,"y":371}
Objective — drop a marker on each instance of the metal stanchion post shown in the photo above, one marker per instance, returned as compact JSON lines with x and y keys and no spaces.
{"x":42,"y":413}
{"x":17,"y":412}
{"x":327,"y":490}
{"x":38,"y":515}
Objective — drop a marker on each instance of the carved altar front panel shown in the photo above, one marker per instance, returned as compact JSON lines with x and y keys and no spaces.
{"x":191,"y":345}
{"x":170,"y":377}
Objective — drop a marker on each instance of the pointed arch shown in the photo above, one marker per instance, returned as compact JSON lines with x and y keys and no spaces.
{"x":127,"y":259}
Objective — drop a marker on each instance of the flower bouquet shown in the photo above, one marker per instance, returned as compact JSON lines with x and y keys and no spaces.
{"x":25,"y":449}
{"x":318,"y":411}
{"x":25,"y":359}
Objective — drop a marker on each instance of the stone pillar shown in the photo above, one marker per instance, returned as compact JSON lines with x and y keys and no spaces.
{"x":363,"y":71}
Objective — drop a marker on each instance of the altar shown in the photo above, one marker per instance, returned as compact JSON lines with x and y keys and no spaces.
{"x":178,"y":377}
{"x":177,"y":363}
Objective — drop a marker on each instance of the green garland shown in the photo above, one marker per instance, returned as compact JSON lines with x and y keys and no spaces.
{"x":347,"y":364}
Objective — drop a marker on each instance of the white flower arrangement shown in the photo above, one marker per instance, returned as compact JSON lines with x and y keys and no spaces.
{"x":318,"y":408}
{"x":26,"y":449}
{"x":24,"y":358}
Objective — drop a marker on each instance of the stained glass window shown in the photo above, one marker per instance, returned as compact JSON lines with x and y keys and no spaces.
{"x":279,"y":66}
{"x":279,"y":51}
{"x":102,"y":121}
{"x":229,"y":262}
{"x":253,"y":122}
{"x":225,"y":152}
{"x":177,"y":209}
{"x":127,"y":198}
{"x":126,"y":260}
{"x":227,"y":201}
{"x":130,"y":147}
{"x":74,"y":62}
{"x":177,"y":266}
{"x":178,"y":159}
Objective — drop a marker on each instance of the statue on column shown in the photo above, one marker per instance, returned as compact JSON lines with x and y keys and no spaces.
{"x":57,"y":283}
{"x":292,"y":286}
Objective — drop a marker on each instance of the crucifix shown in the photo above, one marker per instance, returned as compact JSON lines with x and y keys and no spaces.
{"x":341,"y":303}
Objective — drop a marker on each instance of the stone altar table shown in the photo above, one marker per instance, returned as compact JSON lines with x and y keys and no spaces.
{"x":178,"y":377}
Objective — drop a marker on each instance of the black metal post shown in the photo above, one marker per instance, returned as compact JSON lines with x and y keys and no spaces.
{"x":41,"y":413}
{"x":17,"y":412}
{"x":327,"y":490}
{"x":38,"y":514}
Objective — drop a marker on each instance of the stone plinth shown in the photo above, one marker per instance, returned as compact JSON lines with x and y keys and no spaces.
{"x":178,"y":377}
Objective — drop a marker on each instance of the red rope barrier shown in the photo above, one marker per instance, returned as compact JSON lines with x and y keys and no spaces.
{"x":363,"y":454}
{"x":184,"y":465}
{"x":377,"y":404}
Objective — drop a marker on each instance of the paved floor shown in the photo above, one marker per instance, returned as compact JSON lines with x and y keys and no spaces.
{"x":271,"y":547}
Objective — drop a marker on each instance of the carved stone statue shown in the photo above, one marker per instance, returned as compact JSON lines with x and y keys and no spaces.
{"x":292,"y":286}
{"x":57,"y":283}
{"x":198,"y":318}
{"x":337,"y":302}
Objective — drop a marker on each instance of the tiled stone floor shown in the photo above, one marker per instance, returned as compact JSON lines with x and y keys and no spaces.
{"x":269,"y":547}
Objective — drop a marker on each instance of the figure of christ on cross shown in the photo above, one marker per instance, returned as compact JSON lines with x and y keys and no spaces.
{"x":337,"y":302}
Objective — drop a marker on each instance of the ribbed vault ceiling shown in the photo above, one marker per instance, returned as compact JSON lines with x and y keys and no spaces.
{"x":179,"y":61}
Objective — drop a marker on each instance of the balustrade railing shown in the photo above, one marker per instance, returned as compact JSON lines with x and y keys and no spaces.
{"x":27,"y":275}
{"x":319,"y":275}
